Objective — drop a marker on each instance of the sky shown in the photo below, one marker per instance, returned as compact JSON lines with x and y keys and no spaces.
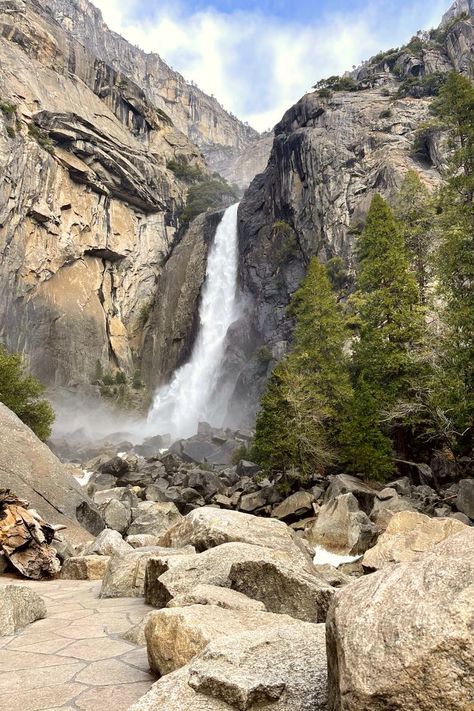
{"x":258,"y":58}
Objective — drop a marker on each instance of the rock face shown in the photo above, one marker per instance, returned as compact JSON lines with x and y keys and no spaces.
{"x":231,"y":147}
{"x":403,"y":637}
{"x":329,"y":157}
{"x":18,"y":608}
{"x":407,"y":535}
{"x":30,"y":469}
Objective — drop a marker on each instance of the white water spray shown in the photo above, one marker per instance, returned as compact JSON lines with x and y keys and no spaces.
{"x":191,"y":396}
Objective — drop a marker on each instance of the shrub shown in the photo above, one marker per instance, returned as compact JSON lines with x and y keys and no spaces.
{"x":212,"y":192}
{"x":241,"y":452}
{"x":325,"y":93}
{"x":22,"y":394}
{"x":184,"y":171}
{"x":385,"y":92}
{"x":263,"y":355}
{"x":336,"y":83}
{"x":11,"y":132}
{"x":386,"y":113}
{"x":418,"y":87}
{"x":144,"y":314}
{"x":7,"y":108}
{"x":137,"y":382}
{"x":120,"y":377}
{"x":41,"y":137}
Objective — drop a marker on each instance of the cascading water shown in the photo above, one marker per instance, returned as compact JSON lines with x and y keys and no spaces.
{"x":191,"y":396}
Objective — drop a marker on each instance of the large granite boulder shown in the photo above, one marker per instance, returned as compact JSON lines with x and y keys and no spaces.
{"x":173,"y":693}
{"x":347,"y":484}
{"x":284,"y":588}
{"x":88,"y":567}
{"x":155,"y":519}
{"x":407,"y":535}
{"x":465,"y":498}
{"x":125,"y":574}
{"x":19,"y":606}
{"x":220,"y":597}
{"x":168,"y":577}
{"x":174,"y":636}
{"x":295,"y":506}
{"x":209,"y":527}
{"x":109,"y":543}
{"x":30,"y":469}
{"x":403,"y":638}
{"x":341,"y":527}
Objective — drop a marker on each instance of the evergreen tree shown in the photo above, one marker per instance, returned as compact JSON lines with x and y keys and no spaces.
{"x":455,"y":108}
{"x":415,"y":213}
{"x":22,"y":394}
{"x":296,"y":424}
{"x":386,"y":363}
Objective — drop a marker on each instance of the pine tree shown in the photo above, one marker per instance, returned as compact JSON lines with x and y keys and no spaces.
{"x":415,"y":213}
{"x":386,"y":363}
{"x":455,"y":108}
{"x":296,"y":424}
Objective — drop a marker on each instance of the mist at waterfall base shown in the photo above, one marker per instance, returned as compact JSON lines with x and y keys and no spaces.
{"x":195,"y":393}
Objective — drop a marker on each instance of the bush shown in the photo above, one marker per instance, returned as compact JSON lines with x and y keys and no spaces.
{"x":120,"y":377}
{"x":11,"y":132}
{"x":418,"y":87}
{"x":263,"y":355}
{"x":144,"y":314}
{"x":184,"y":171}
{"x":212,"y":192}
{"x":22,"y":394}
{"x":7,"y":108}
{"x":137,"y":382}
{"x":325,"y":93}
{"x":386,"y":113}
{"x":41,"y":137}
{"x":336,"y":83}
{"x":241,"y":452}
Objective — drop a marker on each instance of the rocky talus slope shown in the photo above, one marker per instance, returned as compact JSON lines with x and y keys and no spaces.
{"x":230,"y":147}
{"x":330,"y":155}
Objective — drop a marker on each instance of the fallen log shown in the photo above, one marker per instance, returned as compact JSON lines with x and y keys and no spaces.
{"x":26,"y":539}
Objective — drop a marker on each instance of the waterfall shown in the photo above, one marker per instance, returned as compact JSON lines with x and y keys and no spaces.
{"x":191,"y":395}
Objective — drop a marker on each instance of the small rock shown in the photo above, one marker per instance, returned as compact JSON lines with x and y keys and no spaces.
{"x":90,"y":567}
{"x":142,"y":540}
{"x":108,"y":543}
{"x":19,"y":606}
{"x":245,"y":468}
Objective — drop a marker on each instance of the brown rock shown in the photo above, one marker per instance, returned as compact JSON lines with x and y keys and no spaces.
{"x":88,"y":567}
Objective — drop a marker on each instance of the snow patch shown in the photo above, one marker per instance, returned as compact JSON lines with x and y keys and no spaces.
{"x":324,"y":557}
{"x":84,"y":479}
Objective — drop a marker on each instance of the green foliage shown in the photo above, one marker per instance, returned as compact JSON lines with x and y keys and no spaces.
{"x":263,"y":355}
{"x":416,"y":214}
{"x":41,"y":137}
{"x":325,"y":93}
{"x":337,"y":83}
{"x":455,"y":259}
{"x":425,"y":85}
{"x":11,"y":133}
{"x":22,"y":394}
{"x":337,"y":272}
{"x":137,"y":382}
{"x":120,"y":377}
{"x":108,"y":379}
{"x":144,"y":314}
{"x":212,"y":192}
{"x":286,"y":241}
{"x":296,"y":422}
{"x":440,"y":34}
{"x":386,"y":113}
{"x":238,"y":454}
{"x":7,"y":108}
{"x":184,"y":171}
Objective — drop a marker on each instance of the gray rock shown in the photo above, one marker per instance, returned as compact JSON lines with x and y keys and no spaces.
{"x":19,"y":606}
{"x":218,"y":596}
{"x":296,"y":505}
{"x":346,"y":484}
{"x":245,"y":468}
{"x":458,"y":516}
{"x":277,"y":668}
{"x":121,"y":493}
{"x":173,"y":693}
{"x":283,"y":588}
{"x":402,"y":638}
{"x":465,"y":497}
{"x":108,"y":543}
{"x":141,"y":540}
{"x":156,"y":519}
{"x":117,"y":515}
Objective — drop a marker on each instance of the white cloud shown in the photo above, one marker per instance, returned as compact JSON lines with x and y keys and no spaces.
{"x":256,"y":65}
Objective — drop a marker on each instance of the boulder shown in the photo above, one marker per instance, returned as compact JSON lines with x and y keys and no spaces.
{"x":295,"y":506}
{"x":283,"y":588}
{"x":214,"y":595}
{"x":341,"y":527}
{"x":209,"y":527}
{"x":121,"y":493}
{"x":245,"y":468}
{"x":19,"y":606}
{"x":89,"y":567}
{"x":125,"y":574}
{"x":387,"y":503}
{"x":206,"y":483}
{"x":117,"y":515}
{"x":170,"y":576}
{"x":173,"y":693}
{"x":275,"y":668}
{"x":402,"y":638}
{"x":174,"y":636}
{"x":156,"y":520}
{"x":108,"y":543}
{"x":141,"y":540}
{"x":465,"y":498}
{"x":117,"y":467}
{"x":30,"y":469}
{"x":346,"y":484}
{"x":407,"y":535}
{"x":136,"y":634}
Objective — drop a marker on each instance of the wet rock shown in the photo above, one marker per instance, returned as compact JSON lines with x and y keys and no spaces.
{"x":214,"y":595}
{"x":116,"y":467}
{"x":341,"y":527}
{"x":89,"y":567}
{"x":402,"y":637}
{"x":152,"y":446}
{"x":277,"y":668}
{"x":174,"y":636}
{"x":407,"y":535}
{"x":108,"y":543}
{"x":19,"y":606}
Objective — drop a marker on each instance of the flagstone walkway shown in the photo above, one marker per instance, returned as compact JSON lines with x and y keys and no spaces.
{"x":75,"y":659}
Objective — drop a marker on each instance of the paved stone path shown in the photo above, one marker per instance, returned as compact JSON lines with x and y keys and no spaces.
{"x":74,"y":660}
